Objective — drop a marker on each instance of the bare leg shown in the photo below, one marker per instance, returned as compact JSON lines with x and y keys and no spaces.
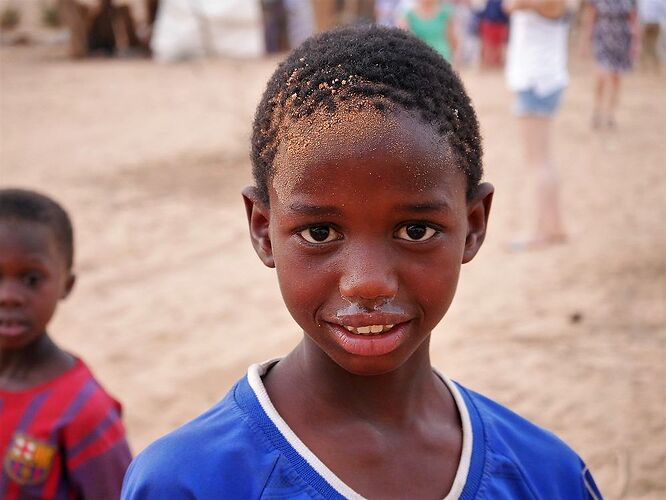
{"x":485,"y":58}
{"x":120,"y":33}
{"x":599,"y":102}
{"x":613,"y":98}
{"x":77,"y":17}
{"x":548,"y":227}
{"x":650,"y":51}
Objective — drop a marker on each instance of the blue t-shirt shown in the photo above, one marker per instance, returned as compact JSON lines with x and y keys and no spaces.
{"x":242,"y":449}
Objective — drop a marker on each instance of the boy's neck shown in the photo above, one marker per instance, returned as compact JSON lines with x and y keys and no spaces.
{"x":32,"y":364}
{"x":395,"y":399}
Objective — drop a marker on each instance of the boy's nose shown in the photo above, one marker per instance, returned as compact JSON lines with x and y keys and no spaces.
{"x":368,"y":276}
{"x":10,"y":295}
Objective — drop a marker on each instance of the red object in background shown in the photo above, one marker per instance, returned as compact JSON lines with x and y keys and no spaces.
{"x":494,"y":35}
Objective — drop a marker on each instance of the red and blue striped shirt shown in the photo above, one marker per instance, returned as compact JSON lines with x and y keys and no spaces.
{"x":62,"y":439}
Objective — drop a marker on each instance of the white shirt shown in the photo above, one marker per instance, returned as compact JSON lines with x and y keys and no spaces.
{"x":537,"y":53}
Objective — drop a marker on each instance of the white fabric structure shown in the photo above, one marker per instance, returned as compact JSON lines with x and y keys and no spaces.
{"x":193,"y":28}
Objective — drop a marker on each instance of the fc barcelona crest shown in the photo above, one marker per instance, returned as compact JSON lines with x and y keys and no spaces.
{"x":28,"y":460}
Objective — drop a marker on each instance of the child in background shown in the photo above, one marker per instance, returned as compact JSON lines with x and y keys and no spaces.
{"x":494,"y":31}
{"x":60,"y":433}
{"x":433,"y":22}
{"x":367,"y":199}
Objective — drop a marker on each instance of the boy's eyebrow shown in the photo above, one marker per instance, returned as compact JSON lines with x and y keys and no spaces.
{"x":305,"y":209}
{"x":422,"y":207}
{"x":429,"y":206}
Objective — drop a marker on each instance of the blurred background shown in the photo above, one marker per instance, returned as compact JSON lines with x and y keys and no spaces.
{"x":136,"y":116}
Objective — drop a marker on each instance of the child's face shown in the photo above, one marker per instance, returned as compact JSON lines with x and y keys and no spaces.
{"x":33,"y":278}
{"x":367,"y":227}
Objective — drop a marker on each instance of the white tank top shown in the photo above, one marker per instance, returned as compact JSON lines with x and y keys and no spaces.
{"x":537,"y":53}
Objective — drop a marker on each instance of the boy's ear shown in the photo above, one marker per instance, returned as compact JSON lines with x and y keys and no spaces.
{"x":258,"y":217}
{"x":478,"y":209}
{"x":69,"y":285}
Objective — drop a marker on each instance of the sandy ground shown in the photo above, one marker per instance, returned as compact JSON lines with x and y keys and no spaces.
{"x":172,"y":305}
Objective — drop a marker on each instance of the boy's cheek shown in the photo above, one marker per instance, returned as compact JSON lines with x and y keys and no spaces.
{"x":304,"y":287}
{"x":300,"y":302}
{"x":300,"y":282}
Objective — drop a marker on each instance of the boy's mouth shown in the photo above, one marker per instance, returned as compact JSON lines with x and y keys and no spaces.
{"x":368,"y":329}
{"x":11,"y":327}
{"x":376,"y":339}
{"x":370,"y":332}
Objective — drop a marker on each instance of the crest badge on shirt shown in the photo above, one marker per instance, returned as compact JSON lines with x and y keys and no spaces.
{"x":28,"y":460}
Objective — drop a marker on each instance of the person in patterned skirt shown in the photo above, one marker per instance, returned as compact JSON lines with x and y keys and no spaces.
{"x":611,"y":27}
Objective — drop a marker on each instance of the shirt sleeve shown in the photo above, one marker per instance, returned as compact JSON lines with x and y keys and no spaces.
{"x":147,"y":482}
{"x":96,"y":450}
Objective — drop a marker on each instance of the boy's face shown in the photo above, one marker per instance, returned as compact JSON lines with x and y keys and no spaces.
{"x":33,"y":278}
{"x":367,"y":227}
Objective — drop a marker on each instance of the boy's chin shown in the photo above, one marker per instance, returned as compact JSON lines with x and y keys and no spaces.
{"x":369,"y":366}
{"x":29,"y":339}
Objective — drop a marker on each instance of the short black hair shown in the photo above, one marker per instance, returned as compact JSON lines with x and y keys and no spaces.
{"x":30,"y":206}
{"x":378,"y":65}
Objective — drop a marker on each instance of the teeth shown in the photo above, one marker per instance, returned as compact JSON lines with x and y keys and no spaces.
{"x":9,"y":322}
{"x":369,"y":329}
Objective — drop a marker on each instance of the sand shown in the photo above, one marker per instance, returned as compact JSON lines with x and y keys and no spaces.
{"x":172,"y":305}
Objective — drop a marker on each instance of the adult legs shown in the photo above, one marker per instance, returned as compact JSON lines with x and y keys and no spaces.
{"x":613,"y":97}
{"x":484,"y":35}
{"x":548,"y":227}
{"x":600,"y":84}
{"x":78,"y":18}
{"x":650,"y":54}
{"x":606,"y":97}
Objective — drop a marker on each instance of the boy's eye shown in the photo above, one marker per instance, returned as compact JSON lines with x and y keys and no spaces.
{"x":415,"y":232}
{"x":31,"y":280}
{"x":319,"y":234}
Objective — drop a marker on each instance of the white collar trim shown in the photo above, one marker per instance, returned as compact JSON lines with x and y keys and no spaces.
{"x":256,"y":371}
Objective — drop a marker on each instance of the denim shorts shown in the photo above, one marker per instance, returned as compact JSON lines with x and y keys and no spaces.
{"x":528,"y":102}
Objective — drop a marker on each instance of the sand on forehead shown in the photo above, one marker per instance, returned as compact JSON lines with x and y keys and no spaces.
{"x":307,"y":140}
{"x":172,"y":304}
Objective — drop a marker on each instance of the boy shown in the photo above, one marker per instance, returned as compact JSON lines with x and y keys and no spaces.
{"x":367,"y":200}
{"x":60,"y":433}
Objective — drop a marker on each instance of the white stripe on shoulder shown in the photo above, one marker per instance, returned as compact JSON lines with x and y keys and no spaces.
{"x":466,"y":454}
{"x":254,"y":375}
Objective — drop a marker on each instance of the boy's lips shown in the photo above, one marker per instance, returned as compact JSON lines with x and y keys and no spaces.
{"x":370,"y":333}
{"x":12,"y":327}
{"x":369,"y":318}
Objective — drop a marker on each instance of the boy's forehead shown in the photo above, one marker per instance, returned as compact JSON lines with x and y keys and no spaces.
{"x":33,"y":236}
{"x":352,"y":135}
